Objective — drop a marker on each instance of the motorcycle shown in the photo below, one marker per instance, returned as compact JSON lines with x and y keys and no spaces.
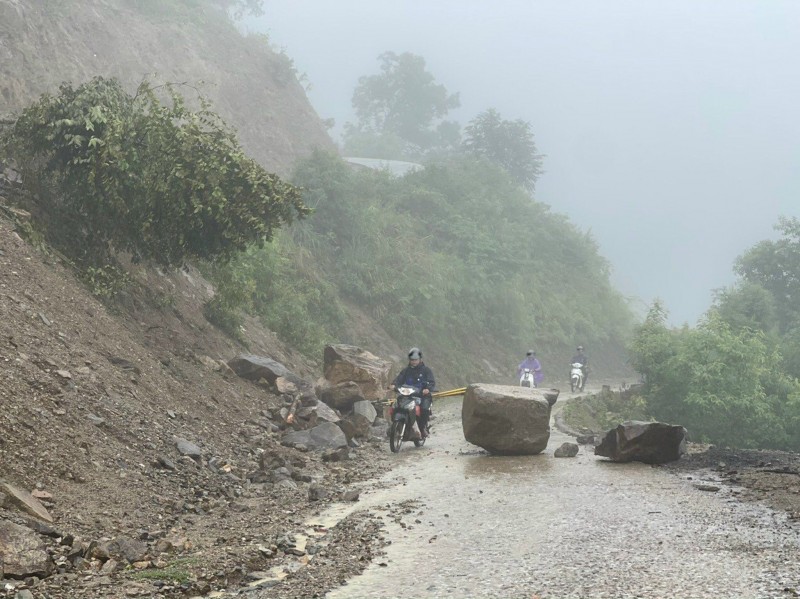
{"x":403,"y":416}
{"x":576,"y":377}
{"x":527,"y":379}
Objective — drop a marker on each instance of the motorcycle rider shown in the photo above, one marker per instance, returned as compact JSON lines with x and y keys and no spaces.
{"x":532,"y":363}
{"x":581,"y":358}
{"x":416,"y":374}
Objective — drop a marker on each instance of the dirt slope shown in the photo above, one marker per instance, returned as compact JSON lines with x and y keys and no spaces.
{"x":44,"y":42}
{"x":92,"y":402}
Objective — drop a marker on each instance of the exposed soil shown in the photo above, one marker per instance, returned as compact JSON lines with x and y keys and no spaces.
{"x":94,"y":398}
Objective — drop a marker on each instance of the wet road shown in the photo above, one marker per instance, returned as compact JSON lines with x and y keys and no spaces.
{"x":473,"y":525}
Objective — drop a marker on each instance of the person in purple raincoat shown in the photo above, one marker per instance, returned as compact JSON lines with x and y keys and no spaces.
{"x":535,"y":366}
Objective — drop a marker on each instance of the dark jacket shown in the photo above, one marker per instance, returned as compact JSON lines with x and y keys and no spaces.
{"x":416,"y":376}
{"x":581,"y":358}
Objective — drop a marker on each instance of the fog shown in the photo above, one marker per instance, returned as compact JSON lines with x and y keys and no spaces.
{"x":671,"y":129}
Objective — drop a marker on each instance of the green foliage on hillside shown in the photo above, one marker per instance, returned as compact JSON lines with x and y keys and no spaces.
{"x":121,"y":172}
{"x":725,"y":384}
{"x":455,"y":258}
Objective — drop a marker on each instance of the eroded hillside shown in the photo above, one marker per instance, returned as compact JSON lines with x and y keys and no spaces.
{"x":44,"y":43}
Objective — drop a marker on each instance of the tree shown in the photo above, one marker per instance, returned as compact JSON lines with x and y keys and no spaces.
{"x":508,"y":144}
{"x":403,"y":99}
{"x":775,"y":266}
{"x":748,"y":306}
{"x":154,"y":179}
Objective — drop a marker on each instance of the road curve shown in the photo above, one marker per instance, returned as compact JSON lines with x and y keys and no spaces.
{"x":466,"y":524}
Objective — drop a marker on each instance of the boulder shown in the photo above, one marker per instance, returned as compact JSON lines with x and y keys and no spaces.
{"x":648,"y":442}
{"x":324,"y":436}
{"x":566,"y":450}
{"x":342,"y":396}
{"x":506,"y":420}
{"x":325,"y":413}
{"x":255,"y":368}
{"x":350,"y":363}
{"x":25,"y":501}
{"x":22,"y":554}
{"x":359,"y":422}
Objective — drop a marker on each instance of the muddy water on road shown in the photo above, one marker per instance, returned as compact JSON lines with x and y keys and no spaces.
{"x":475,"y":525}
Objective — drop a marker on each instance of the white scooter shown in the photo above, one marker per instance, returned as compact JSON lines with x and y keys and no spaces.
{"x":576,"y":377}
{"x":527,"y":379}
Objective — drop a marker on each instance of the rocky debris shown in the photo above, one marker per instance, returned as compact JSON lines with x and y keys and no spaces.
{"x":566,"y":450}
{"x":586,"y":439}
{"x":648,"y":442}
{"x":348,"y":363}
{"x":506,"y":420}
{"x":201,"y":515}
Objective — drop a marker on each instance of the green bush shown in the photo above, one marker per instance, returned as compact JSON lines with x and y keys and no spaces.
{"x":725,"y":385}
{"x":130,"y":173}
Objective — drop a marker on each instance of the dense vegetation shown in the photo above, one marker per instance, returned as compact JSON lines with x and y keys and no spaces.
{"x":734,"y":379}
{"x":132,"y":173}
{"x":455,"y":257}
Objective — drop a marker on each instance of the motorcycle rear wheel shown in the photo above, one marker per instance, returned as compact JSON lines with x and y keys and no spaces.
{"x":396,"y":435}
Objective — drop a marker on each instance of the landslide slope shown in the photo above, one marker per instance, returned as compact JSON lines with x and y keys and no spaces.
{"x":46,"y":42}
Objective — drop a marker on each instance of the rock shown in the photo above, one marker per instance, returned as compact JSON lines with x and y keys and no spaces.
{"x":567,"y":450}
{"x":350,"y":363}
{"x":648,"y":442}
{"x":325,"y":413}
{"x":25,"y":501}
{"x":255,"y":368}
{"x":363,"y":416}
{"x":342,"y":396}
{"x":351,"y":495}
{"x":324,"y":436}
{"x":585,"y":439}
{"x":317,"y":493}
{"x":187,"y":448}
{"x":22,"y":552}
{"x":283,"y":385}
{"x":336,"y":455}
{"x":506,"y":420}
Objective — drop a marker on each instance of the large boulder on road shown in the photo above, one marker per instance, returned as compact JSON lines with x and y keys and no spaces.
{"x":350,"y":363}
{"x":648,"y":442}
{"x":506,"y":420}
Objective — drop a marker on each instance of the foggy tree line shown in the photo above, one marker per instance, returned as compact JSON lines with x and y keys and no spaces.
{"x":734,"y":378}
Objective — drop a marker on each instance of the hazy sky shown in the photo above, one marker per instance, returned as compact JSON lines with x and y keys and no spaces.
{"x":671,"y":128}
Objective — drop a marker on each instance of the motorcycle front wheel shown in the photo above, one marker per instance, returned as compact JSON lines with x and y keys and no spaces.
{"x":572,"y":386}
{"x":396,"y":435}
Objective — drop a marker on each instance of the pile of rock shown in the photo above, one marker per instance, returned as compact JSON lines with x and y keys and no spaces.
{"x":337,"y":411}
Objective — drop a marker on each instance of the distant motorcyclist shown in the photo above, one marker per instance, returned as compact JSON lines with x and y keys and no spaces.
{"x":583,"y":360}
{"x":416,"y":374}
{"x":532,"y":363}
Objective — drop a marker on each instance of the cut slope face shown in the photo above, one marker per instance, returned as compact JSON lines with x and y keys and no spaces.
{"x":255,"y":90}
